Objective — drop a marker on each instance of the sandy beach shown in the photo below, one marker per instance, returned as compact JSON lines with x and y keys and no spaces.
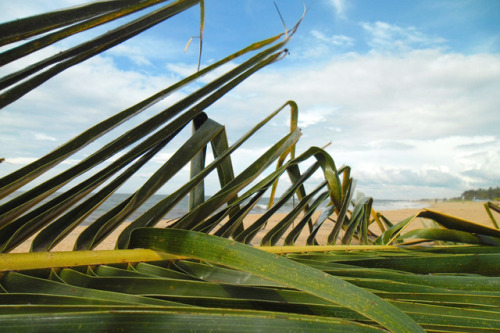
{"x":472,"y":211}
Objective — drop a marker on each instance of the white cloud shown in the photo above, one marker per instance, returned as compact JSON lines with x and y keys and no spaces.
{"x":149,"y":51}
{"x":162,"y":157}
{"x":313,"y":116}
{"x":426,"y":176}
{"x":77,"y":99}
{"x":392,"y":38}
{"x":420,"y":94}
{"x":480,"y":167}
{"x":423,"y":121}
{"x":135,"y":54}
{"x":71,"y":161}
{"x":336,"y":40}
{"x":441,"y":166}
{"x":19,"y":160}
{"x":339,"y":6}
{"x":44,"y":137}
{"x":422,"y":115}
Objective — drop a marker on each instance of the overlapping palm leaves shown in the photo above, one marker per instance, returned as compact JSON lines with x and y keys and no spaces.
{"x":181,"y":277}
{"x":56,"y":218}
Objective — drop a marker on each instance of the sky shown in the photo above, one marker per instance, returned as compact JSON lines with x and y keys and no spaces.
{"x":406,"y":93}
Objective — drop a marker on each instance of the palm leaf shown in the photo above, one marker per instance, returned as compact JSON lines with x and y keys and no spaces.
{"x":489,"y":206}
{"x":447,"y":300}
{"x":180,"y":277}
{"x":98,"y":13}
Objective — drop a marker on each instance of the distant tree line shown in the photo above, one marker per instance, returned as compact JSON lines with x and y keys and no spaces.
{"x":482,"y":194}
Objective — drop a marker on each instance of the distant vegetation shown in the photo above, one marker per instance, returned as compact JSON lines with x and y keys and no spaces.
{"x":482,"y":194}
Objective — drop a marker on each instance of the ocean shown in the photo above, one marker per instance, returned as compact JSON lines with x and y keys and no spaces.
{"x":182,"y":207}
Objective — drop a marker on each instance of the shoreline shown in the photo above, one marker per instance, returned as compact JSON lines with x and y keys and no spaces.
{"x":468,"y":210}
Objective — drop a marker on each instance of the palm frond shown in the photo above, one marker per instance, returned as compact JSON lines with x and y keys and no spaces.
{"x":205,"y":270}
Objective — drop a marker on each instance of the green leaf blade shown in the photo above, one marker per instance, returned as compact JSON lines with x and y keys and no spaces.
{"x":239,"y":256}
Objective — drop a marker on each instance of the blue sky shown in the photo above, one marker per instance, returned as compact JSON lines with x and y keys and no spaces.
{"x":406,"y":91}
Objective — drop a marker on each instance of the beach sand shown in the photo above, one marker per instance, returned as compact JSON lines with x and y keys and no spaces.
{"x":472,"y":211}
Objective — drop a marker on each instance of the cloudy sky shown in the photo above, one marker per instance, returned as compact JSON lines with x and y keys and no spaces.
{"x":407,"y":92}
